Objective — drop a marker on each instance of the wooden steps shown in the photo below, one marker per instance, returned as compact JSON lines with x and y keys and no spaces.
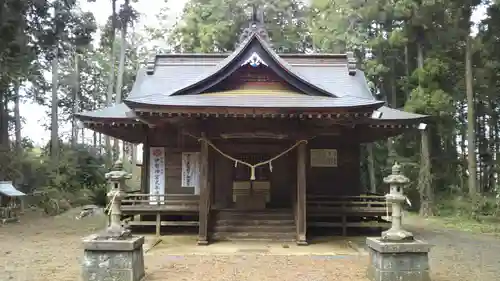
{"x":267,"y":225}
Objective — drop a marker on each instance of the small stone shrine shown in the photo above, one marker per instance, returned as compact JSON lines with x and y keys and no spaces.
{"x":114,"y":254}
{"x":396,"y":255}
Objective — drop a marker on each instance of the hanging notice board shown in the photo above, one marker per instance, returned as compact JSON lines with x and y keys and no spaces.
{"x":323,"y":157}
{"x":156,"y":174}
{"x":191,"y":171}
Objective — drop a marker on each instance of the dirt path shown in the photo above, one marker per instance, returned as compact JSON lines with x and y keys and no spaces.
{"x":49,"y":249}
{"x":257,"y":268}
{"x":458,"y":255}
{"x":44,"y":248}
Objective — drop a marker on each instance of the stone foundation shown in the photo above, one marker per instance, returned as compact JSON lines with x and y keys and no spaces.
{"x":401,"y":261}
{"x":113,"y":260}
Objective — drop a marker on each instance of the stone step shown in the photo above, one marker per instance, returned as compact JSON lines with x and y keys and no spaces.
{"x":247,"y":236}
{"x":254,"y":222}
{"x":284,"y":229}
{"x":254,"y":216}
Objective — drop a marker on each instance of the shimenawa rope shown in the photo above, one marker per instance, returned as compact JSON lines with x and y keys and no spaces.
{"x":252,"y":167}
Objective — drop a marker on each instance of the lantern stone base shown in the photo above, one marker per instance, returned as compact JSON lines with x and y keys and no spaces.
{"x":113,"y":260}
{"x":398,"y":261}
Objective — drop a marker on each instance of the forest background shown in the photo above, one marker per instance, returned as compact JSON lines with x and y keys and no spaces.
{"x":435,"y":57}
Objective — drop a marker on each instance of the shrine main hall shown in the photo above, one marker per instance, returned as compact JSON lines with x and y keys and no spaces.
{"x":252,"y":145}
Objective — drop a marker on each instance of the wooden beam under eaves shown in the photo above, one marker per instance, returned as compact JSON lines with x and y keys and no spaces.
{"x":132,"y":114}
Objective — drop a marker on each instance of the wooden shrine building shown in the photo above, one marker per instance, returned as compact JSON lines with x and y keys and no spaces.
{"x":252,"y":144}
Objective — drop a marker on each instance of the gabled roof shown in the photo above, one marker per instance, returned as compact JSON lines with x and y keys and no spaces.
{"x":324,"y":81}
{"x":173,"y":72}
{"x":254,"y":48}
{"x":7,"y":189}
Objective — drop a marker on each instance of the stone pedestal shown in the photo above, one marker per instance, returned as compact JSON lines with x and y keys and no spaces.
{"x":398,"y":261}
{"x":113,"y":260}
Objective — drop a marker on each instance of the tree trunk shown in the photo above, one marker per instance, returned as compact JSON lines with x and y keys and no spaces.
{"x":17,"y":117}
{"x":424,"y":176}
{"x":407,"y":73}
{"x":121,"y":66}
{"x":76,"y":90}
{"x":471,"y":140}
{"x":119,"y":77}
{"x":100,"y":144}
{"x":420,"y":55}
{"x":425,"y":181}
{"x":497,"y":147}
{"x":111,"y":82}
{"x":5,"y":122}
{"x":463,"y":145}
{"x":54,"y":135}
{"x":393,"y":103}
{"x":4,"y":136}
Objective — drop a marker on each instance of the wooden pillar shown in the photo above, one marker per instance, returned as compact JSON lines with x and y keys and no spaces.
{"x":158,"y":224}
{"x":204,"y":206}
{"x":301,"y":194}
{"x":145,"y":165}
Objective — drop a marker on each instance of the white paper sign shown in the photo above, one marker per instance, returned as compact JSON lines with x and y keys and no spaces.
{"x":191,"y":171}
{"x":323,"y":158}
{"x":156,"y":173}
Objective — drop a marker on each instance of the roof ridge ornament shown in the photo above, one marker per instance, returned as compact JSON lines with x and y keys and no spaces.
{"x":151,"y":63}
{"x":254,"y":60}
{"x":351,"y":63}
{"x":256,"y":26}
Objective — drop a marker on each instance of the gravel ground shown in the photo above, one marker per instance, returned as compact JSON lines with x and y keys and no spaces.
{"x":48,"y":249}
{"x":257,"y":267}
{"x":459,"y":256}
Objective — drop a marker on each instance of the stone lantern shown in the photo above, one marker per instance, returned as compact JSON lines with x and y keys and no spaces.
{"x":396,"y":255}
{"x":114,"y":254}
{"x":395,"y":197}
{"x":116,"y":194}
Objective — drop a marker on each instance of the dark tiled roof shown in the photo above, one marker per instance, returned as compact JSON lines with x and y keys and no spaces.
{"x":396,"y":114}
{"x":169,"y":78}
{"x":119,"y":111}
{"x":207,"y":68}
{"x":116,"y":111}
{"x":173,"y":73}
{"x":257,"y":101}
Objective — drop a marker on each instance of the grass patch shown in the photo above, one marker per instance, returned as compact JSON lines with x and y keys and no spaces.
{"x":486,"y":225}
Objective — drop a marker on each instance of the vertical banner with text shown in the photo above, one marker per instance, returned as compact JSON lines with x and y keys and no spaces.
{"x":156,"y":174}
{"x":191,"y":171}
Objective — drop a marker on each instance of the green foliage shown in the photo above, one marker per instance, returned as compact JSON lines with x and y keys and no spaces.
{"x":390,"y":38}
{"x":76,"y":169}
{"x":77,"y":178}
{"x":432,"y":102}
{"x":459,"y":206}
{"x":214,"y":26}
{"x":98,"y":196}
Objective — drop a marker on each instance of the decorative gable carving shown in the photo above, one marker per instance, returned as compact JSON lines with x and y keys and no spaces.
{"x":351,"y":63}
{"x":254,"y":61}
